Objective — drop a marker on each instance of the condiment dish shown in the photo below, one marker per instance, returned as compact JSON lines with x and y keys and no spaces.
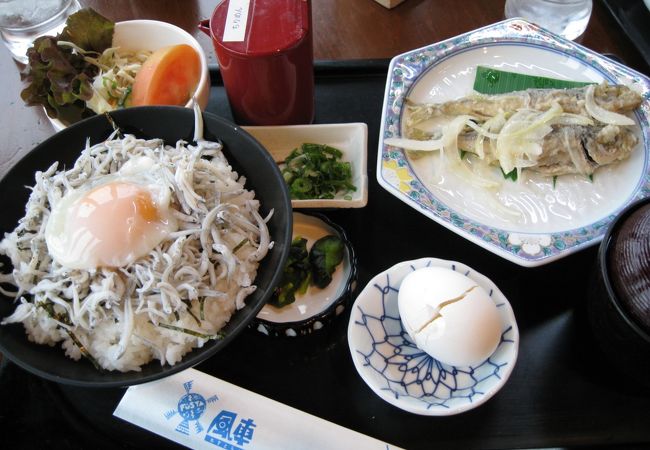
{"x":317,"y":307}
{"x":350,"y":138}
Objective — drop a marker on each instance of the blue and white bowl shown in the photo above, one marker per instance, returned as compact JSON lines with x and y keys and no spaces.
{"x":407,"y":377}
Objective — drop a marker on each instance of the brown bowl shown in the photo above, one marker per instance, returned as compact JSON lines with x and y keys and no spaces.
{"x":619,"y":298}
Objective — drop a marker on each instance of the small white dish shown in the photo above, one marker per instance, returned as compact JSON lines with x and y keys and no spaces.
{"x":407,"y":377}
{"x":152,"y":35}
{"x":317,"y":307}
{"x":350,"y":138}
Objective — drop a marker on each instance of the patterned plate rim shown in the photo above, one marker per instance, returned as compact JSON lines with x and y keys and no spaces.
{"x":528,"y":249}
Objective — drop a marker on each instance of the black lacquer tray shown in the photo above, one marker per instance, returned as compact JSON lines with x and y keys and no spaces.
{"x":562,"y":393}
{"x":634,"y":19}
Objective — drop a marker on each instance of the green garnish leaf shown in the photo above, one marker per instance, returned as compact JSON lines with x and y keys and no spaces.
{"x":296,"y":275}
{"x":122,"y":102}
{"x":202,"y":308}
{"x":240,"y":245}
{"x":308,"y":267}
{"x":89,"y":30}
{"x":315,"y":171}
{"x":489,"y":80}
{"x":189,"y":332}
{"x":64,"y":318}
{"x":188,"y":303}
{"x":324,"y":256}
{"x":83,"y":350}
{"x":554,"y":181}
{"x":512,"y":175}
{"x":60,"y":79}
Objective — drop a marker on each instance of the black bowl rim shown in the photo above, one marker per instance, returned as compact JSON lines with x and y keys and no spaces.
{"x":196,"y":355}
{"x":303,"y":327}
{"x":603,"y":252}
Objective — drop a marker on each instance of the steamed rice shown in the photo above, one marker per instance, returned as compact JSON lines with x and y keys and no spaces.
{"x":163,"y":305}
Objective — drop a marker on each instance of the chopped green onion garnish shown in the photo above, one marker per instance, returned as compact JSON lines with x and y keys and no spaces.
{"x":315,"y":171}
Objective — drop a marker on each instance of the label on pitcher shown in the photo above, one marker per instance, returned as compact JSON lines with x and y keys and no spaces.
{"x":236,"y":21}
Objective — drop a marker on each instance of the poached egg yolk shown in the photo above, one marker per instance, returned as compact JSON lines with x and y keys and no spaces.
{"x":111,"y":225}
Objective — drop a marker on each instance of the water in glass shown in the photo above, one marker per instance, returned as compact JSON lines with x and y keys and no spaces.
{"x":22,"y":21}
{"x":568,"y":18}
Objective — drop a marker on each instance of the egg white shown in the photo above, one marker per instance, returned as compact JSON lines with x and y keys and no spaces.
{"x":449,"y":316}
{"x":76,"y":245}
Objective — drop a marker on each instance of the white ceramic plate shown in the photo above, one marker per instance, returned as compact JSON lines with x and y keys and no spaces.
{"x":350,"y":138}
{"x":405,"y":376}
{"x":152,"y":35}
{"x":317,"y":307}
{"x":550,"y":221}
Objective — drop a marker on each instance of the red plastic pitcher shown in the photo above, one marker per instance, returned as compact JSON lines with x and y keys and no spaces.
{"x":265,"y":54}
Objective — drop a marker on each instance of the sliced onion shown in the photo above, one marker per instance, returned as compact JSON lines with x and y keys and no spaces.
{"x":601,"y":114}
{"x":478,"y":146}
{"x":481,"y":130}
{"x":572,"y":119}
{"x":448,"y":140}
{"x":451,"y":132}
{"x":539,"y":120}
{"x":486,"y":131}
{"x":520,"y":141}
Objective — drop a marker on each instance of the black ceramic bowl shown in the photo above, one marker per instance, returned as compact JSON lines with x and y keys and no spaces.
{"x":246,"y":156}
{"x":619,"y":299}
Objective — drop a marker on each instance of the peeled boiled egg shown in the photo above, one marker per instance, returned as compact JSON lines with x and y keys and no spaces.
{"x":112,"y":221}
{"x":449,"y":316}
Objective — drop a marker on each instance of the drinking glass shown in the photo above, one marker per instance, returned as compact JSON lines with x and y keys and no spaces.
{"x":22,"y":21}
{"x":568,"y":18}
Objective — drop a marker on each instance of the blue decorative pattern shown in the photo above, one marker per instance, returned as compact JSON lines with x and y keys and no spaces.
{"x":190,"y":407}
{"x":409,"y":67}
{"x":395,"y":366}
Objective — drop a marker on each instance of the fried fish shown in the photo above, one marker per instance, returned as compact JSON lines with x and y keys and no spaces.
{"x":572,"y":149}
{"x":614,"y":98}
{"x":550,"y":131}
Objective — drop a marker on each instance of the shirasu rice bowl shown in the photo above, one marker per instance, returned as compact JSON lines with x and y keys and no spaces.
{"x":162,"y":305}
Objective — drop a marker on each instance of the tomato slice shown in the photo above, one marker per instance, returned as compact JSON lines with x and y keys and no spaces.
{"x":168,"y":77}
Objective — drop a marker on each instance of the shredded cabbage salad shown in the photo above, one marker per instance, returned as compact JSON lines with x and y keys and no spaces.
{"x":117,"y":70}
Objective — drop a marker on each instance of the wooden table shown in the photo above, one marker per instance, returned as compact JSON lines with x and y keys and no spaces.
{"x":343,"y":30}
